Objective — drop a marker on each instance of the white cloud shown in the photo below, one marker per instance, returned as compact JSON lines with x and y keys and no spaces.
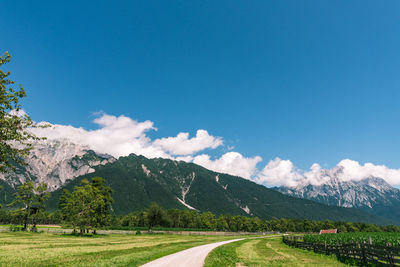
{"x":283,"y":172}
{"x":121,"y":136}
{"x":316,"y":175}
{"x":353,"y":170}
{"x":232,"y":163}
{"x":117,"y":136}
{"x":183,"y":145}
{"x":279,"y":172}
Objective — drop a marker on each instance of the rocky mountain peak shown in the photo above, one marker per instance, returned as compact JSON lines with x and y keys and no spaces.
{"x":373,"y":193}
{"x":55,"y":162}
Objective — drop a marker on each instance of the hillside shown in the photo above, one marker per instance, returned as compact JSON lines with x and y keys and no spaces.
{"x":138,"y":181}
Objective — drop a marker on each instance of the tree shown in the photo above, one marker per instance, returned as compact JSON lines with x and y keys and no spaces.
{"x":31,"y":200}
{"x":39,"y":204}
{"x":175,"y":216}
{"x":88,"y":206}
{"x":25,"y":197}
{"x":65,"y":195}
{"x":104,"y":194}
{"x":221,"y":223}
{"x":15,"y":138}
{"x":0,"y":190}
{"x":154,"y":215}
{"x":76,"y":207}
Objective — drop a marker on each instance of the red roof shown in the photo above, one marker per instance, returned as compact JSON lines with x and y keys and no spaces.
{"x":328,"y":231}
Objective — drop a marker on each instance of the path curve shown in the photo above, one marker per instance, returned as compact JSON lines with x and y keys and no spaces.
{"x":193,"y":257}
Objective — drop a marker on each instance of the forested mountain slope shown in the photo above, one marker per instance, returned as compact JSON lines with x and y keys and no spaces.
{"x":138,"y":181}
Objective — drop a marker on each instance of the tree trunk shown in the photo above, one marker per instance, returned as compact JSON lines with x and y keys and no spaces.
{"x":94,"y":231}
{"x":81,"y":232}
{"x":26,"y":222}
{"x":34,"y":229}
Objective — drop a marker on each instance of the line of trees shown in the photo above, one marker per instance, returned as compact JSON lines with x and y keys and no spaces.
{"x":88,"y":207}
{"x":173,"y":218}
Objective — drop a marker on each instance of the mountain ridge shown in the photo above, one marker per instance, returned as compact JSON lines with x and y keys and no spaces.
{"x":371,"y":194}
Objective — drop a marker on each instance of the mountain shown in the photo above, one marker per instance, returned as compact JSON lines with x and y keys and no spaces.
{"x":372,"y":194}
{"x":137,"y":181}
{"x":55,"y":163}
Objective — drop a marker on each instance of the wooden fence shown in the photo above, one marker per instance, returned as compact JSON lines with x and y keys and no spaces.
{"x":363,"y":254}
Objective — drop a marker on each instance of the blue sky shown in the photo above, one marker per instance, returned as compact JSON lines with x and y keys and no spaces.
{"x":308,"y":81}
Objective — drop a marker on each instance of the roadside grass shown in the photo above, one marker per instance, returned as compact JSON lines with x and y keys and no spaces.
{"x":269,"y":251}
{"x":44,"y":249}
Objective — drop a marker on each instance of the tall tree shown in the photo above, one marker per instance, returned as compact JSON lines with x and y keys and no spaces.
{"x":39,"y":203}
{"x":104,"y":196}
{"x":14,"y":124}
{"x":0,"y":190}
{"x":76,"y":207}
{"x":154,"y":215}
{"x":30,"y":200}
{"x":88,"y":206}
{"x":24,"y":197}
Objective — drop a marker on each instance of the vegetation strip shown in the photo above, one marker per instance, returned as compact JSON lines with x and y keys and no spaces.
{"x":352,"y":247}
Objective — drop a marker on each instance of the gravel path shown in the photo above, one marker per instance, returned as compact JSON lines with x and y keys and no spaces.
{"x":192,"y":257}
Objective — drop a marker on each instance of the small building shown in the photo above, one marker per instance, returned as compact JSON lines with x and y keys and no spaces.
{"x":328,"y":231}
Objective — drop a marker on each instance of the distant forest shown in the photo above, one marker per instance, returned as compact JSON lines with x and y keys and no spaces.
{"x":159,"y":219}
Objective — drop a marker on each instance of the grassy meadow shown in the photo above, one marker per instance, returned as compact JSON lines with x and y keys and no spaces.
{"x":46,"y":249}
{"x":269,"y":251}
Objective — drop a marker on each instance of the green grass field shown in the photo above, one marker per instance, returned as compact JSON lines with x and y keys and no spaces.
{"x":46,"y":249}
{"x":269,"y":251}
{"x":43,"y":249}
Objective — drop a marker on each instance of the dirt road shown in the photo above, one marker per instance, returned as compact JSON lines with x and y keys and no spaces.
{"x":192,"y":257}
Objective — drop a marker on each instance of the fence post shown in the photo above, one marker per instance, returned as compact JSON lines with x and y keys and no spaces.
{"x":389,"y":254}
{"x":364,"y":258}
{"x":351,"y":248}
{"x":337,"y":250}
